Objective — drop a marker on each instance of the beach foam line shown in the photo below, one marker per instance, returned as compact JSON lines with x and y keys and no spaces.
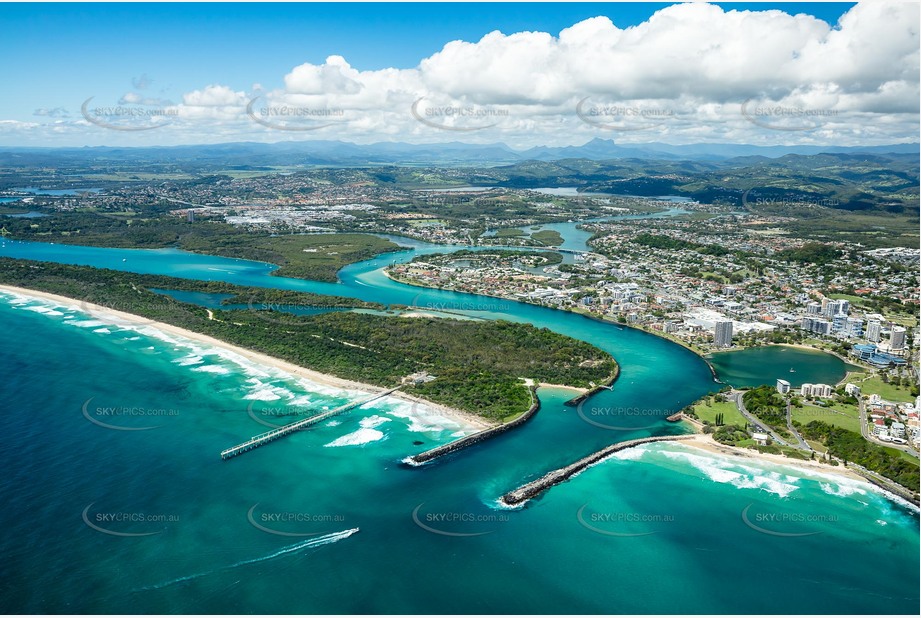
{"x":828,"y":481}
{"x":252,"y":364}
{"x":308,"y":544}
{"x":360,"y":437}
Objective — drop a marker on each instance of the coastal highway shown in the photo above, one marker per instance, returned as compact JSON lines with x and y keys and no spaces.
{"x":751,"y":418}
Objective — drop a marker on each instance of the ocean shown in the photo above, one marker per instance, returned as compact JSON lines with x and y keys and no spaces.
{"x":117,"y":500}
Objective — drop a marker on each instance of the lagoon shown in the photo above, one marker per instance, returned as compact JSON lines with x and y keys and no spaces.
{"x":765,"y":365}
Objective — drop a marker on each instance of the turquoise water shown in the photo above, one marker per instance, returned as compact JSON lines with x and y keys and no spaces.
{"x":26,"y":215}
{"x":55,"y":192}
{"x":765,"y":365}
{"x":699,"y":525}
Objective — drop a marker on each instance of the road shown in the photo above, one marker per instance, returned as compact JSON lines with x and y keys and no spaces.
{"x":751,"y":418}
{"x":865,"y":431}
{"x":801,"y":444}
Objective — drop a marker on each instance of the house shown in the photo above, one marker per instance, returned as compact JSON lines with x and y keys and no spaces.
{"x":761,"y":438}
{"x":880,"y":430}
{"x":418,"y":378}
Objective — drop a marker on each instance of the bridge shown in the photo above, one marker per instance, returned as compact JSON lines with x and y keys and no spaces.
{"x":270,"y":436}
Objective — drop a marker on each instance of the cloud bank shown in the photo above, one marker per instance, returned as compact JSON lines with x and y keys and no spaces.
{"x":690,"y":73}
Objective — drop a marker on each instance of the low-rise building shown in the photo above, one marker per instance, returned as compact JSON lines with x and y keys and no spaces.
{"x":816,"y":390}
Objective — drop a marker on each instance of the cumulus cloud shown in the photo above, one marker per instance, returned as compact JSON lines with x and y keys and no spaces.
{"x":697,"y":62}
{"x":214,"y":95}
{"x":695,"y":65}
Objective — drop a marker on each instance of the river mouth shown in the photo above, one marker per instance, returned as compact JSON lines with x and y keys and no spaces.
{"x":351,"y":471}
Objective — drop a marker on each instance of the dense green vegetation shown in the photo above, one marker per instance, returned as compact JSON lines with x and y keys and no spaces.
{"x":550,"y":238}
{"x":810,"y":253}
{"x":541,"y":258}
{"x":307,"y":256}
{"x":658,"y":241}
{"x":733,"y":435}
{"x":767,"y":404}
{"x":509,"y":232}
{"x":478,"y":364}
{"x":850,"y":446}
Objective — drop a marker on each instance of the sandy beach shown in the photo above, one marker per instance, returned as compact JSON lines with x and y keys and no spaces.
{"x":574,"y":389}
{"x":115,"y":317}
{"x":707,"y":443}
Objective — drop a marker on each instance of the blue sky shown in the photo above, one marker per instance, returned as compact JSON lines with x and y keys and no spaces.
{"x":55,"y":56}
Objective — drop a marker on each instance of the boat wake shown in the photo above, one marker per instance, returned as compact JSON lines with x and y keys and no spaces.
{"x":308,"y":544}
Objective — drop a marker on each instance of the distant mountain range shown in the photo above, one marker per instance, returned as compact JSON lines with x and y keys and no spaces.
{"x":346,"y":154}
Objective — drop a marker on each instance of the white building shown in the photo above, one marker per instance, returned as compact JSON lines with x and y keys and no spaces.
{"x":873,"y":330}
{"x":783,"y":387}
{"x":880,"y":430}
{"x":722,"y":334}
{"x":831,"y":308}
{"x":853,"y":327}
{"x":852,"y":389}
{"x":816,"y":390}
{"x":816,"y":325}
{"x":897,"y":338}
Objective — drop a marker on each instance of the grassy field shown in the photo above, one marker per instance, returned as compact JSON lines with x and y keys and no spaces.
{"x":887,"y":391}
{"x":903,"y":319}
{"x":731,"y":414}
{"x":838,"y":414}
{"x":902,"y":454}
{"x":854,"y":300}
{"x":509,"y":232}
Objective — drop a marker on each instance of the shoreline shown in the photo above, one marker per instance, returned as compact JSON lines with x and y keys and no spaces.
{"x":705,"y":442}
{"x":322,"y":379}
{"x":587,"y":315}
{"x":575,"y":389}
{"x":701,"y":355}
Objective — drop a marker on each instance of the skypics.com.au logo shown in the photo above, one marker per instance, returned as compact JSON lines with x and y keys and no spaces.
{"x":296,"y":118}
{"x":126,"y":417}
{"x":127,"y":116}
{"x":463,"y":118}
{"x":459,"y":524}
{"x":620,"y":117}
{"x":620,"y":418}
{"x":777,"y":117}
{"x":127,"y":523}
